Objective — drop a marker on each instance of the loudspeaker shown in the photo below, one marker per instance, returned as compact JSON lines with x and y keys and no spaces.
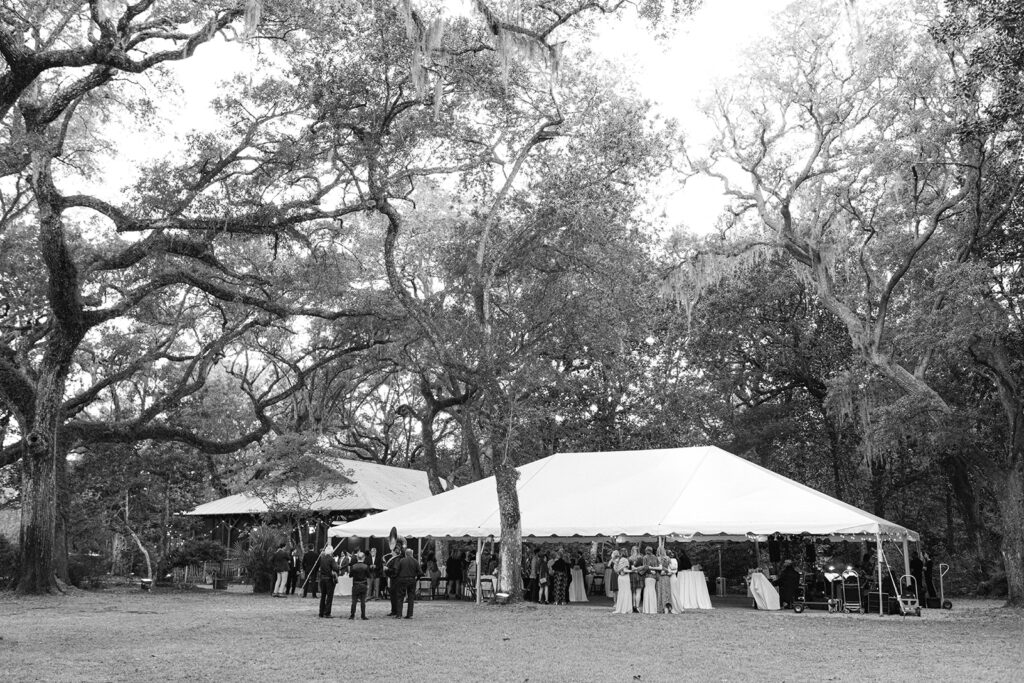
{"x":810,"y":553}
{"x":774,"y":550}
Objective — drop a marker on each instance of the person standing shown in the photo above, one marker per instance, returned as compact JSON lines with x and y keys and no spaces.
{"x":789,"y":585}
{"x":560,"y":572}
{"x":327,"y":569}
{"x":280,"y":560}
{"x":309,"y":569}
{"x":673,"y":582}
{"x":636,"y":581}
{"x":917,"y":571}
{"x":408,"y":572}
{"x":651,"y":567}
{"x":929,"y":575}
{"x":376,"y":567}
{"x":360,"y":574}
{"x":664,"y":584}
{"x":624,"y":599}
{"x":293,"y":572}
{"x":391,"y":574}
{"x":533,"y":589}
{"x":453,"y":568}
{"x":434,"y":572}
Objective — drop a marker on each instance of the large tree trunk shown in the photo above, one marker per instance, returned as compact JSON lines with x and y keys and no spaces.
{"x":38,"y":518}
{"x":1010,"y":500}
{"x":510,"y":570}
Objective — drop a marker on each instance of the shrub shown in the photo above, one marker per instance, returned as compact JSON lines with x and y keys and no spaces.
{"x":255,"y":555}
{"x":197,"y":552}
{"x":84,"y":571}
{"x":9,"y":570}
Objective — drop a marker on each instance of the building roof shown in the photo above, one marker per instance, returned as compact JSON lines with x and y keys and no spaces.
{"x":372,"y":487}
{"x":701,"y":493}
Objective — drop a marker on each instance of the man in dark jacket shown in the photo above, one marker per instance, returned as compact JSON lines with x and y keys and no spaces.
{"x":408,"y":572}
{"x":789,"y":584}
{"x":391,"y":575}
{"x":327,"y":568}
{"x":360,"y":574}
{"x":309,"y":567}
{"x":281,"y":560}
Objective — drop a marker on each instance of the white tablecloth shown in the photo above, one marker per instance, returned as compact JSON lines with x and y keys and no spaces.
{"x":608,"y":582}
{"x":693,"y":589}
{"x":344,"y":586}
{"x":577,"y":588}
{"x":763,"y":592}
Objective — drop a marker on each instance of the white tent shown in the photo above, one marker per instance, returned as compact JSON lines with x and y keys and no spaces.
{"x":701,"y":493}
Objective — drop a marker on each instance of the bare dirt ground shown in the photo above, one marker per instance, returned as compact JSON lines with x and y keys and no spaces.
{"x":202,"y":635}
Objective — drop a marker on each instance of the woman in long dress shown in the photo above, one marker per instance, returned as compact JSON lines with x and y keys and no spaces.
{"x":578,"y":585}
{"x":664,"y":589}
{"x":651,"y":567}
{"x":624,"y":600}
{"x":611,"y":577}
{"x":636,"y":581}
{"x":560,"y":571}
{"x":673,"y":577}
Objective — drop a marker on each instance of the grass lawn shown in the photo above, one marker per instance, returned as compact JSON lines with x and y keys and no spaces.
{"x":204,"y":635}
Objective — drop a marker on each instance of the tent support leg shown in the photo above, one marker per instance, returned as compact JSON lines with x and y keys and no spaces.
{"x":878,"y":554}
{"x":906,"y":557}
{"x":479,"y":569}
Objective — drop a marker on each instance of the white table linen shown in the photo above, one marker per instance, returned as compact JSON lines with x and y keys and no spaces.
{"x":693,"y":589}
{"x":763,"y":592}
{"x":344,"y":586}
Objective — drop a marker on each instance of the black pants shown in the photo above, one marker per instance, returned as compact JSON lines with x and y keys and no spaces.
{"x":309,"y":585}
{"x":358,"y":595}
{"x":293,"y":580}
{"x":326,"y":596}
{"x":532,"y":591}
{"x":395,"y":594}
{"x":406,"y":590}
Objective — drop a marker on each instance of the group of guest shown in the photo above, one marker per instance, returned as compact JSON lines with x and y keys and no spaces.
{"x":550,"y":577}
{"x":645,"y":583}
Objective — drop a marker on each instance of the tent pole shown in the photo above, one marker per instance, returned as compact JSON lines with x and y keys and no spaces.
{"x":906,"y":558}
{"x":878,"y":555}
{"x":479,"y":549}
{"x":757,"y":553}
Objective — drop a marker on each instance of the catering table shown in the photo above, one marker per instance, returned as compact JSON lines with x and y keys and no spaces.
{"x":761,"y":589}
{"x":577,"y":588}
{"x":693,"y":589}
{"x":344,"y":585}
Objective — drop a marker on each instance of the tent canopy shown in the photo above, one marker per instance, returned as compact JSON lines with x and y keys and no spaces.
{"x":370,"y":487}
{"x":701,"y":493}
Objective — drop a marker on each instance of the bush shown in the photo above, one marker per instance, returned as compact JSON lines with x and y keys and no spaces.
{"x":197,"y":552}
{"x":9,"y":569}
{"x":84,"y":571}
{"x":255,"y":555}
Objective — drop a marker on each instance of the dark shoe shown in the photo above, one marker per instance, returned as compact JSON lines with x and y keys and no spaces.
{"x":328,"y":616}
{"x":407,"y":616}
{"x":352,"y":617}
{"x":364,"y":618}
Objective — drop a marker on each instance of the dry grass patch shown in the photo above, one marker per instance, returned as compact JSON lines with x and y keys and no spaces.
{"x":201,"y":635}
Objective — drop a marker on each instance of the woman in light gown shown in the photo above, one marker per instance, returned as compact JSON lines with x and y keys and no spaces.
{"x":624,"y":600}
{"x":677,"y":594}
{"x":578,"y":585}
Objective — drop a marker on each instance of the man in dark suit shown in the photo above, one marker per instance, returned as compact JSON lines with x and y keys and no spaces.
{"x":408,"y":572}
{"x":327,"y":567}
{"x":376,"y":569}
{"x":309,"y":567}
{"x":391,"y":575}
{"x":789,"y":585}
{"x":360,"y":574}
